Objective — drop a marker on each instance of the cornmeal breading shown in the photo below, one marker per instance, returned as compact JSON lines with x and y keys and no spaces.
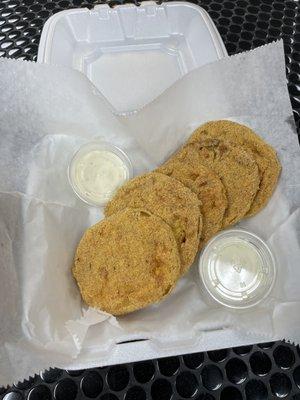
{"x":265,"y":156}
{"x":207,"y":186}
{"x":169,"y":199}
{"x":235,"y":167}
{"x":126,"y":262}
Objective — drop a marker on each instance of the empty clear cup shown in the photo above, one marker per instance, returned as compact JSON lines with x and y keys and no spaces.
{"x":237,"y":269}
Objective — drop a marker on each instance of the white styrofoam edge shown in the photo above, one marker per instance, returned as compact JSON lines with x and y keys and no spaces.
{"x":216,"y":37}
{"x":48,"y":31}
{"x":49,"y":26}
{"x":146,"y":350}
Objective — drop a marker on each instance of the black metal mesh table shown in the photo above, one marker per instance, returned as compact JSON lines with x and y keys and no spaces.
{"x":258,"y":372}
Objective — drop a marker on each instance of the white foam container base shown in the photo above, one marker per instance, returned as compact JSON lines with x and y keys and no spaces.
{"x":132,"y":54}
{"x":148,"y":349}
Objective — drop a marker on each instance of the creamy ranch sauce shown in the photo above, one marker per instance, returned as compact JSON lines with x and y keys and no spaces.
{"x":98,"y":173}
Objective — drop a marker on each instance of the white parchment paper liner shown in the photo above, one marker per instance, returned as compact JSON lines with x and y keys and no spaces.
{"x":47,"y":113}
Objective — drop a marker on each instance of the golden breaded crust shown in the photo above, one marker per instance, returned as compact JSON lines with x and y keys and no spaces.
{"x":126,"y":262}
{"x":168,"y":198}
{"x":265,"y":156}
{"x":207,"y":186}
{"x":235,"y":167}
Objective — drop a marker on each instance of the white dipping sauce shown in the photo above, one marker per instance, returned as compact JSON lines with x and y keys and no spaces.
{"x":96,"y":172}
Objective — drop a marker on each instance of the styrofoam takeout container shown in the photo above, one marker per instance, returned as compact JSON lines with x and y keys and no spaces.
{"x":132,"y":54}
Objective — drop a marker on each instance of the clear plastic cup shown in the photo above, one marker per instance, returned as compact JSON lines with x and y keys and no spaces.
{"x":97,"y":170}
{"x":237,"y":269}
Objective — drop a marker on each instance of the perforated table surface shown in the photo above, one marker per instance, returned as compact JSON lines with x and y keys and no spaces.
{"x":258,"y":372}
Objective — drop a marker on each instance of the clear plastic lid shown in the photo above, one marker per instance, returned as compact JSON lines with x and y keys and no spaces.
{"x":237,"y":268}
{"x":96,"y":170}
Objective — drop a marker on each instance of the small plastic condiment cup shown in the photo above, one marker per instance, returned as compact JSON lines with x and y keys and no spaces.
{"x":237,"y":269}
{"x":97,"y":170}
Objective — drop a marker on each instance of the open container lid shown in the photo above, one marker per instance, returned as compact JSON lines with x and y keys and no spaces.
{"x":132,"y":54}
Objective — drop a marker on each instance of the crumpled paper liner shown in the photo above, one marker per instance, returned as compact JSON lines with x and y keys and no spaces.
{"x":47,"y":113}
